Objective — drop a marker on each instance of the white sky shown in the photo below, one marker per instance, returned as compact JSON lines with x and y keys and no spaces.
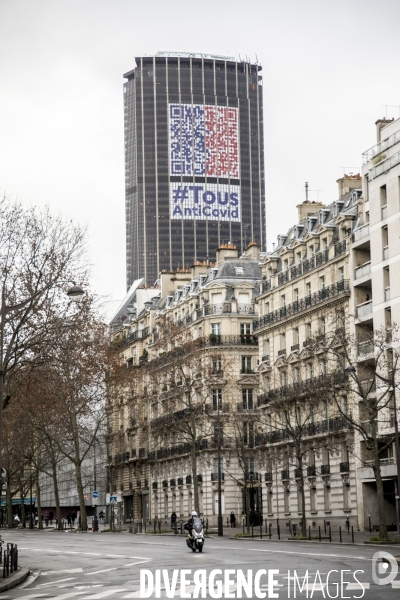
{"x":328,"y":68}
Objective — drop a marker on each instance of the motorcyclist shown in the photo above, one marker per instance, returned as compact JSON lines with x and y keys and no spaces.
{"x":189,"y":524}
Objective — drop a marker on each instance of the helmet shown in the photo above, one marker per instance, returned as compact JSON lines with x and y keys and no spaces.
{"x":194,"y":513}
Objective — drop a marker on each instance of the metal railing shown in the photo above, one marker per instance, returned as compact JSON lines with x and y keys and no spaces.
{"x":365,"y":348}
{"x":362,"y":270}
{"x":364,"y":309}
{"x":361,"y":232}
{"x":378,"y":150}
{"x":340,"y":287}
{"x":384,"y":166}
{"x":230,"y":340}
{"x":326,"y":426}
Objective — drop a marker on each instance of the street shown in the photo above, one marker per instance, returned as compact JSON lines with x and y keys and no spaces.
{"x":97,"y":566}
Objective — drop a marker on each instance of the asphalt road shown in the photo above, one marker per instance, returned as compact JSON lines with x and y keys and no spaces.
{"x":96,"y":566}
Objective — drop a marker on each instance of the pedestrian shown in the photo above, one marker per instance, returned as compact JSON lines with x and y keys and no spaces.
{"x":51,"y":515}
{"x":46,"y":519}
{"x":73,"y":517}
{"x":101,"y":517}
{"x":233,"y":519}
{"x":173,"y":520}
{"x":69,"y":519}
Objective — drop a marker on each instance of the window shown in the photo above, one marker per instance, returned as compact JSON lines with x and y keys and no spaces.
{"x":247,"y":397}
{"x":283,"y":341}
{"x":248,"y":434}
{"x":324,"y":243}
{"x":322,"y":283}
{"x":308,"y":288}
{"x":218,"y":436}
{"x":296,"y":335}
{"x":246,"y":364}
{"x":296,"y":375}
{"x":221,"y":463}
{"x":295,"y":294}
{"x":308,"y":331}
{"x":283,"y":377}
{"x":266,"y":347}
{"x":298,"y":258}
{"x":216,"y":364}
{"x":340,"y":273}
{"x":283,"y":300}
{"x":309,"y":371}
{"x":266,"y":308}
{"x":216,"y":298}
{"x":322,"y":325}
{"x":243,"y":298}
{"x":286,"y":264}
{"x":322,"y":367}
{"x":217,"y":399}
{"x":310,"y":251}
{"x":216,"y":328}
{"x":245,"y":328}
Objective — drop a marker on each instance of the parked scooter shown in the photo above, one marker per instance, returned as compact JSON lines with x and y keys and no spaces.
{"x":195,"y":539}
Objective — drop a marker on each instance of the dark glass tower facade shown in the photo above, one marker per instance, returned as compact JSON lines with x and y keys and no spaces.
{"x":194,"y":160}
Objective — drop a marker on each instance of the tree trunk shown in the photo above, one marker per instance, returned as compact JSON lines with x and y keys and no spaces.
{"x":56,"y":493}
{"x":303,"y":498}
{"x":193,"y":460}
{"x":38,"y":501}
{"x":79,"y":485}
{"x":248,"y":501}
{"x":10,"y":517}
{"x":379,"y":492}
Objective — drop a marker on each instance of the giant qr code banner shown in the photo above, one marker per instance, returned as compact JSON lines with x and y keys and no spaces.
{"x":203,"y":140}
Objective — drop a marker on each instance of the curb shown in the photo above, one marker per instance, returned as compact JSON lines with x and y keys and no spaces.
{"x":333,"y":543}
{"x":15,"y":579}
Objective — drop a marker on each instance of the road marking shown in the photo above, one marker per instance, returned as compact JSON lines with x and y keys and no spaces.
{"x":69,"y":595}
{"x":357,"y":586}
{"x":54,"y":582}
{"x":104,"y":594}
{"x":309,"y":554}
{"x":139,"y":562}
{"x":102,"y":571}
{"x":78,"y":570}
{"x":33,"y":596}
{"x":396,"y":584}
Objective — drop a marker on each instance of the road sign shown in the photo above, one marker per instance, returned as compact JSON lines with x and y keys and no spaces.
{"x":113,"y":499}
{"x":95,"y":494}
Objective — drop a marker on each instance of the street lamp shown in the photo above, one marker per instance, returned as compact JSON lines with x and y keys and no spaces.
{"x":350,"y":370}
{"x":74,"y":293}
{"x":220,"y":526}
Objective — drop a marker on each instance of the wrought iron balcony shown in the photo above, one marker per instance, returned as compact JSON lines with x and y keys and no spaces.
{"x":188,"y":479}
{"x":172,"y":483}
{"x":325,"y":469}
{"x":285,"y":474}
{"x":214,"y":476}
{"x":344,"y":467}
{"x":180,"y":481}
{"x":155,"y":485}
{"x":165,"y":483}
{"x":231,"y":340}
{"x":332,"y":291}
{"x":297,"y":474}
{"x":326,"y":426}
{"x":311,"y":471}
{"x":268,"y":476}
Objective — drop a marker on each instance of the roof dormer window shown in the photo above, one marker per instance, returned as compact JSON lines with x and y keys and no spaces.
{"x":239,"y":271}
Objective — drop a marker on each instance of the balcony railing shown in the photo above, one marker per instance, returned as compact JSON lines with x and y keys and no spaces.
{"x":285,"y":474}
{"x":214,"y":476}
{"x":365,"y":348}
{"x":324,"y":427}
{"x":226,"y":308}
{"x":364,"y":309}
{"x":344,"y":467}
{"x":336,"y":289}
{"x":311,"y":471}
{"x":305,"y":266}
{"x":176,"y":450}
{"x":295,"y":347}
{"x":378,"y":151}
{"x":362,"y":270}
{"x":180,"y":481}
{"x":361,"y":232}
{"x":188,"y":480}
{"x":172,"y":483}
{"x":231,"y":340}
{"x":384,"y":166}
{"x":317,"y":384}
{"x":165,"y":483}
{"x":268,"y":476}
{"x":325,"y":469}
{"x":281,"y":351}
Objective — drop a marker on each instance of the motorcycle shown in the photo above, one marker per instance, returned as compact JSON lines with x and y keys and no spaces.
{"x":195,"y":539}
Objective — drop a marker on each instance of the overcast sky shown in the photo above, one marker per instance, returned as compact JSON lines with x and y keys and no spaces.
{"x":328,"y":68}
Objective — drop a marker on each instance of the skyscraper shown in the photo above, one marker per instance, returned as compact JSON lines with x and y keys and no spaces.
{"x":194,"y":160}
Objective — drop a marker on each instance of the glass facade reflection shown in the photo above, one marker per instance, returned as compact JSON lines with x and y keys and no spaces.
{"x":194,"y":160}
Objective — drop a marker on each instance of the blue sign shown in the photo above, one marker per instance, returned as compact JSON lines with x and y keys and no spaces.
{"x":113,"y":499}
{"x":95,"y":494}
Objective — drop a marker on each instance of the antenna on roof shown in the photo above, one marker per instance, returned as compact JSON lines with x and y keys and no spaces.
{"x":391,"y":106}
{"x":306,"y":186}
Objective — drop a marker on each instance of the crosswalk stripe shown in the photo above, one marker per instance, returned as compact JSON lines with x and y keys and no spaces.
{"x":396,"y":584}
{"x":132,"y":595}
{"x":78,"y":570}
{"x":103,"y":594}
{"x":357,"y":586}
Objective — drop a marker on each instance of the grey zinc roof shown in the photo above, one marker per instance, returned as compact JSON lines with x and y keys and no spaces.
{"x":251,"y":270}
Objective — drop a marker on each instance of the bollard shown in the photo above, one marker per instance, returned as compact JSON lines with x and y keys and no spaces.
{"x":369,"y":519}
{"x":266,"y":527}
{"x":270,"y":530}
{"x":352,"y":534}
{"x":330,"y":533}
{"x":154,"y":526}
{"x":243,"y":524}
{"x":309,"y":532}
{"x":319,"y":532}
{"x":159,"y":526}
{"x":340,"y":533}
{"x":279,"y":533}
{"x":325,"y":526}
{"x":145,"y":526}
{"x":348,"y":525}
{"x":261,"y":530}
